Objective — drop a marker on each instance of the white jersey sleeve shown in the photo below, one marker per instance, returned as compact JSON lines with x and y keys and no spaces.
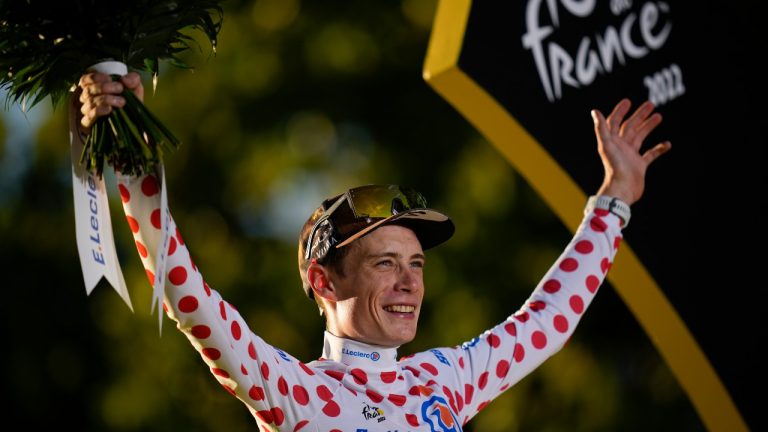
{"x":278,"y":389}
{"x":473,"y":374}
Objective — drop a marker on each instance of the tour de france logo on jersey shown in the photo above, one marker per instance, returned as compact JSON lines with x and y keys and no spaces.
{"x":372,"y":412}
{"x":438,"y":416}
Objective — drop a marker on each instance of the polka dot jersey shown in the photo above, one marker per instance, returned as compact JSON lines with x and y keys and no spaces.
{"x":359,"y":387}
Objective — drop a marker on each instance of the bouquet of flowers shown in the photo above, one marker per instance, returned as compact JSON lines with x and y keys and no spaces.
{"x":46,"y":45}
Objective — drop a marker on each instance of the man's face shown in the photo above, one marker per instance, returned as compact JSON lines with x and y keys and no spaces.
{"x":379,"y":298}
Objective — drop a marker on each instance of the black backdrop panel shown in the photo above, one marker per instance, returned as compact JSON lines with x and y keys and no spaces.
{"x":548,"y":63}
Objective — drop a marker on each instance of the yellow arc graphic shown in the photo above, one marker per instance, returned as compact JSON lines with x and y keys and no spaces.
{"x":633,"y":283}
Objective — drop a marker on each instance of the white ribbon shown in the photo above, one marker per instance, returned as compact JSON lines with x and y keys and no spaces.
{"x":93,"y":226}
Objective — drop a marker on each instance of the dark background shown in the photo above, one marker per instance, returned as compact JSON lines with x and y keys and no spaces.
{"x":684,"y":231}
{"x":306,"y":99}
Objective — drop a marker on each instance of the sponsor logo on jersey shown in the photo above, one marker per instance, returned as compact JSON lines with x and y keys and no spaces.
{"x":436,"y":413}
{"x":373,"y":356}
{"x":440,"y":357}
{"x":283,"y":355}
{"x":470,"y":344}
{"x":373,"y":413}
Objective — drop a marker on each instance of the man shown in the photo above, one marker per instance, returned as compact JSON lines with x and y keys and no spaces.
{"x":361,"y":256}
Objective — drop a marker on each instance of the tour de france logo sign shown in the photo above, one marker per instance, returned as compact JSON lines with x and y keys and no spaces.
{"x":526,"y":75}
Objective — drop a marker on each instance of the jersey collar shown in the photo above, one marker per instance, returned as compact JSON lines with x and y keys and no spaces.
{"x":354,"y":353}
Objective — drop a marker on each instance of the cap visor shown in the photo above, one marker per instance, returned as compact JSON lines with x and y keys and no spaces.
{"x":433,"y":228}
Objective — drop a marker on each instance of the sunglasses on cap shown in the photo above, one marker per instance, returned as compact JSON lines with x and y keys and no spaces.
{"x":362,"y":209}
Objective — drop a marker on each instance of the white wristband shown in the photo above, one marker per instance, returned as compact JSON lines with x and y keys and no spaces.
{"x":611,"y":204}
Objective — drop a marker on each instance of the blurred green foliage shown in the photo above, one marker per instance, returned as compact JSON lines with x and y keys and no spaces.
{"x":303,"y":100}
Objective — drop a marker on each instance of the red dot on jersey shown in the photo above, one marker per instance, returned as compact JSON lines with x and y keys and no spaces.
{"x":300,"y":425}
{"x":172,"y":246}
{"x":388,"y":376}
{"x":201,"y":331}
{"x":461,"y":362}
{"x":141,"y":248}
{"x":413,"y":370}
{"x":597,"y":224}
{"x":447,"y":392}
{"x":331,"y":409}
{"x":522,"y":316}
{"x":178,"y":237}
{"x":502,"y":368}
{"x":301,"y":395}
{"x":459,"y":401}
{"x":125,"y":196}
{"x":282,"y":386}
{"x":207,"y":289}
{"x":560,"y":323}
{"x":519,"y":353}
{"x":306,"y":369}
{"x":188,"y":304}
{"x":252,"y":351}
{"x":133,"y":224}
{"x":220,"y":372}
{"x":483,"y":381}
{"x":577,"y":304}
{"x":375,"y":397}
{"x":150,"y":276}
{"x":323,"y":393}
{"x":569,"y":265}
{"x":592,"y":283}
{"x":537,"y":305}
{"x":149,"y":186}
{"x":265,"y":371}
{"x":155,"y":218}
{"x":265,"y":416}
{"x":539,"y":339}
{"x":177,"y":275}
{"x":584,"y":247}
{"x":243,"y":369}
{"x":212,"y":353}
{"x":494,"y":341}
{"x":429,"y":368}
{"x":256,"y":393}
{"x":511,"y":328}
{"x":397,"y":399}
{"x":605,"y":265}
{"x":412,"y":420}
{"x":469,"y":390}
{"x":616,"y":242}
{"x":236,"y":333}
{"x":335,"y":374}
{"x":552,"y":286}
{"x":359,"y":376}
{"x":278,"y":415}
{"x":223,"y":310}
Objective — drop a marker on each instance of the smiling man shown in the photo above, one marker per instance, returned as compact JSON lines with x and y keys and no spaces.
{"x":361,"y":257}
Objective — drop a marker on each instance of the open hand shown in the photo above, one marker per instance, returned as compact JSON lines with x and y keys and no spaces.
{"x":619,"y":142}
